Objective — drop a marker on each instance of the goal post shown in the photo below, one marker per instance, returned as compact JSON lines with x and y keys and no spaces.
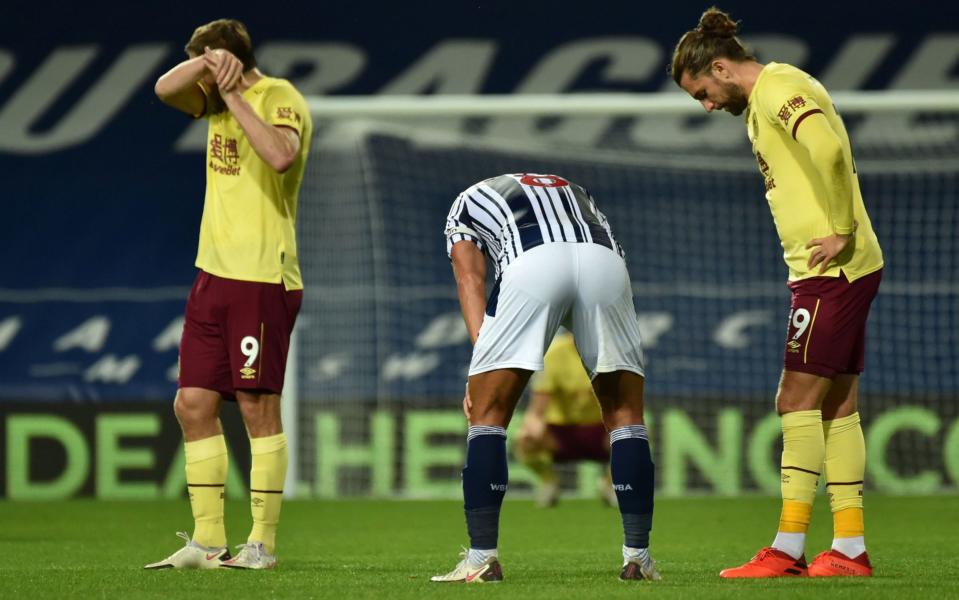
{"x":381,"y":351}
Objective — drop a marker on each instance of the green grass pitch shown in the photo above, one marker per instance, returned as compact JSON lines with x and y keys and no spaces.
{"x":381,"y":549}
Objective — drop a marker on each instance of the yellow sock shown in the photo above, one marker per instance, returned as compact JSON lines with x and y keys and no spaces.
{"x":266,"y":487}
{"x":206,"y":465}
{"x":802,"y":459}
{"x":845,"y":468}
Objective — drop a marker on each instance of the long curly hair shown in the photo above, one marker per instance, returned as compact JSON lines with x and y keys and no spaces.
{"x":714,"y":37}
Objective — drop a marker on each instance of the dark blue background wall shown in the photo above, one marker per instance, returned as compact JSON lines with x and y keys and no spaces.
{"x":102,"y":186}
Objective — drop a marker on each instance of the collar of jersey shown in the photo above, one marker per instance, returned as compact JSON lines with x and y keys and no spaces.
{"x":260,"y":82}
{"x":752,"y":92}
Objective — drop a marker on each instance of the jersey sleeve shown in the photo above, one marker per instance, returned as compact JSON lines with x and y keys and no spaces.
{"x":285,"y":107}
{"x":206,"y":100}
{"x":459,"y":226}
{"x":787,"y":104}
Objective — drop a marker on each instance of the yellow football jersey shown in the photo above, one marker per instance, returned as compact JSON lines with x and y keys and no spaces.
{"x":248,"y":231}
{"x":804,"y":206}
{"x":572,"y":401}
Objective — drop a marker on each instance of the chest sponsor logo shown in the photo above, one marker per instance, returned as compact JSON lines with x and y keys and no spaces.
{"x":224,"y":155}
{"x":770,"y":182}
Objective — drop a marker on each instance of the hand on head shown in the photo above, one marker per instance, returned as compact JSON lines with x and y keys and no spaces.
{"x":226,"y":67}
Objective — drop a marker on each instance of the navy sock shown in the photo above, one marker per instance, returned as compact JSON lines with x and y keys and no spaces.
{"x":631,"y":466}
{"x":485,"y":478}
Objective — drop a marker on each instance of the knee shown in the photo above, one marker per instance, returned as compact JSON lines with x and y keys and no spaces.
{"x":261,"y":413}
{"x":801,"y":391}
{"x":195,"y":409}
{"x":787,"y":403}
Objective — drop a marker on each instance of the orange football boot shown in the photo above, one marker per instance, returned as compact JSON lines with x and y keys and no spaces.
{"x":836,"y":564}
{"x":768,"y":562}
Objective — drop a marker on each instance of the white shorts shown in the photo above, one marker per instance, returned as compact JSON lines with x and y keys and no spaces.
{"x":584,"y":287}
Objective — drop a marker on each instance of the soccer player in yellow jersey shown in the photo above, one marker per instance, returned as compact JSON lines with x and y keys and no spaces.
{"x":835,"y":265}
{"x":244,"y":302}
{"x":563,"y":422}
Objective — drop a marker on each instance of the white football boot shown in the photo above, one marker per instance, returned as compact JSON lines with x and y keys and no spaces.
{"x":192,"y":556}
{"x":252,"y":556}
{"x":639,"y":566}
{"x":489,"y":571}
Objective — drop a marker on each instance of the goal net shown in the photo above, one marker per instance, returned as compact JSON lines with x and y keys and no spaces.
{"x":382,"y":352}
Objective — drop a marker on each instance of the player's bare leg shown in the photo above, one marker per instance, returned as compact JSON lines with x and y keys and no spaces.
{"x":198,"y":411}
{"x":492,"y":398}
{"x":261,"y":412}
{"x":620,"y":395}
{"x":842,"y":398}
{"x":798,"y":401}
{"x":494,"y":395}
{"x":261,"y":415}
{"x":844,"y":468}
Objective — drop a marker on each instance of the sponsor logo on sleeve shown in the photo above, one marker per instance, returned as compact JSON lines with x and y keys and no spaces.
{"x":785,"y":113}
{"x":287,"y":113}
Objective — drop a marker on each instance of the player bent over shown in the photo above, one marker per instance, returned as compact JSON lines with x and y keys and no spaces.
{"x":563,"y":423}
{"x":244,"y":302}
{"x":555,"y":263}
{"x":835,"y":265}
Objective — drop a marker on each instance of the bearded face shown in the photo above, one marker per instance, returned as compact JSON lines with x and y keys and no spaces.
{"x":735,"y":101}
{"x":715,"y":94}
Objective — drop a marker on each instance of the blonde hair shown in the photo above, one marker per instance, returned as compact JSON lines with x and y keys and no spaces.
{"x":714,"y":37}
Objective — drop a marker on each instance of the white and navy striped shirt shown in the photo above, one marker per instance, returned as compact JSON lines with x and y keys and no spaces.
{"x":511,"y":214}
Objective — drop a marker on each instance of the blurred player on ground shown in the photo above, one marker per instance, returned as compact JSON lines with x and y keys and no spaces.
{"x":563,"y":422}
{"x":835,"y":265}
{"x":244,"y":302}
{"x":555,"y":262}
